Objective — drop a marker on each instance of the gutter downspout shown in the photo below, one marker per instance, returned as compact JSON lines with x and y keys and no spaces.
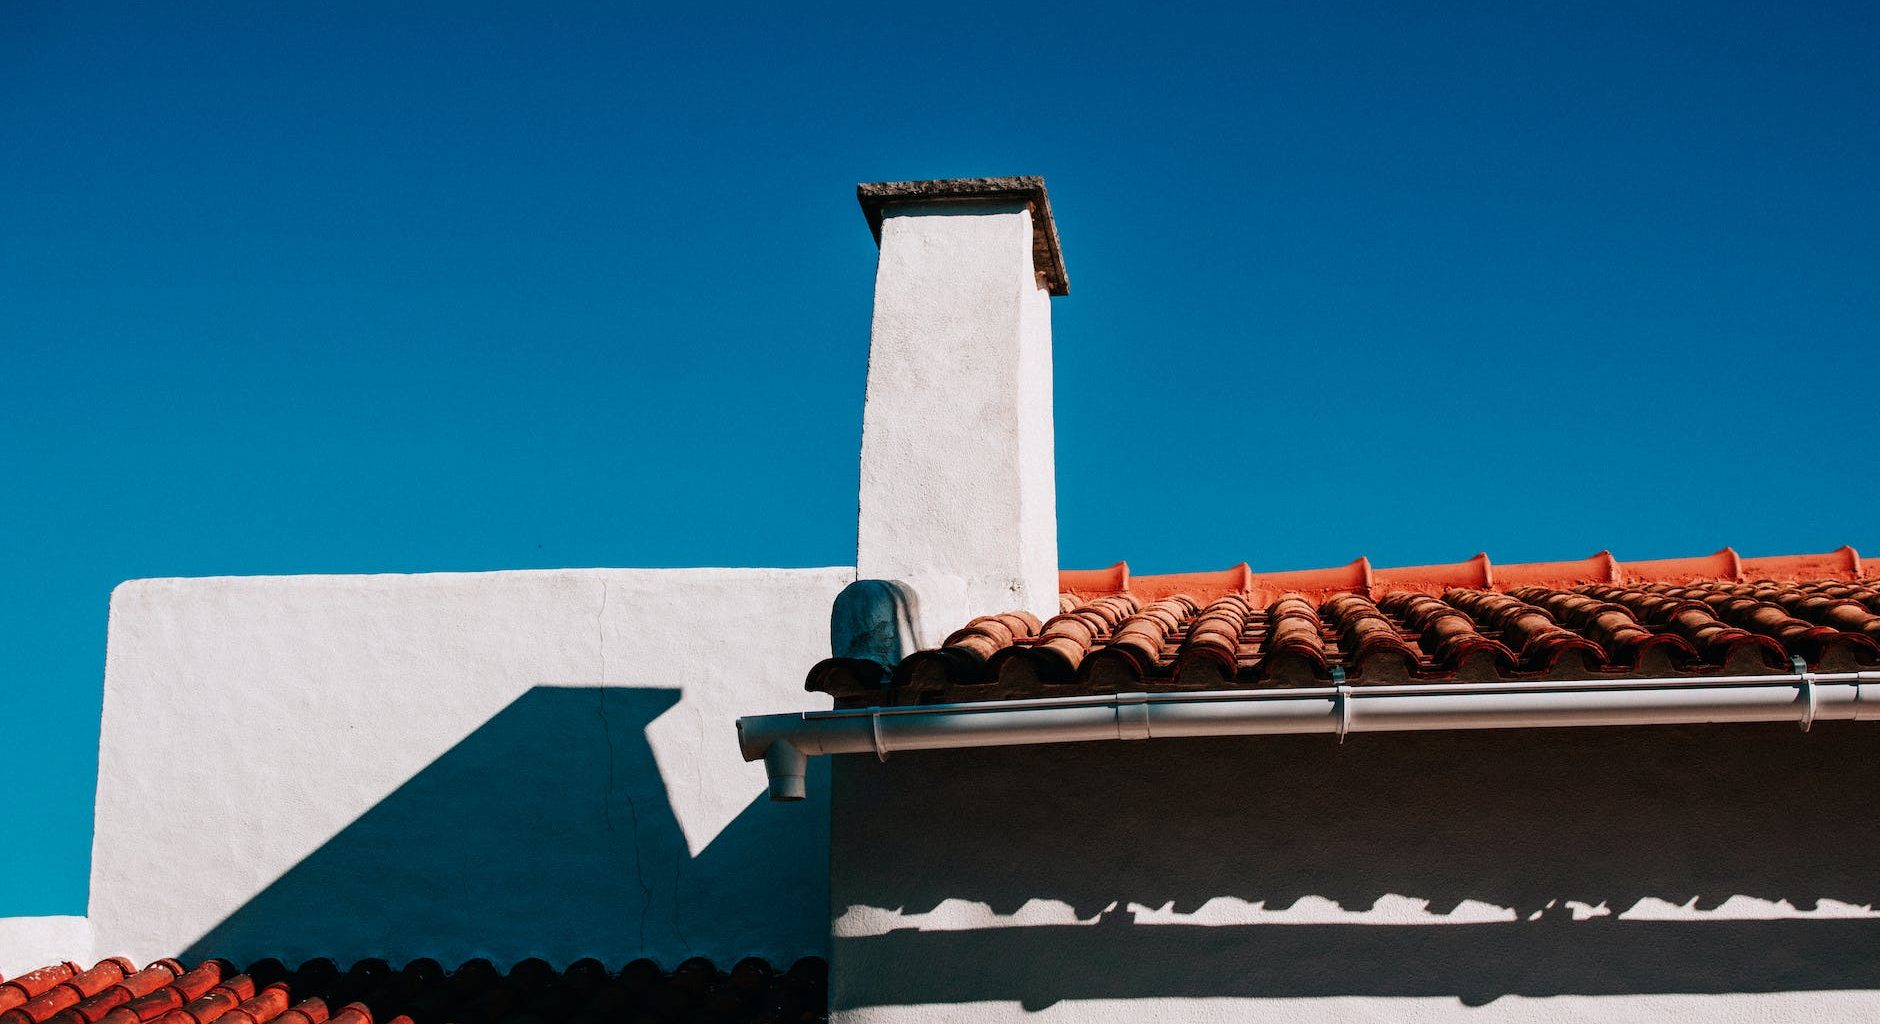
{"x":786,"y":742}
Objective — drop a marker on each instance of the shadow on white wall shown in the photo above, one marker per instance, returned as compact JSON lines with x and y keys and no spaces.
{"x":547,"y":832}
{"x":1467,"y":865}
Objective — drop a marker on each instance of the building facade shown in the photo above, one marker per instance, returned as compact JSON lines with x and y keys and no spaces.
{"x":515,"y":783}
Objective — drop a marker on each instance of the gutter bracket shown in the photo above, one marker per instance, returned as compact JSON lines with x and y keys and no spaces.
{"x":1810,"y":699}
{"x":874,"y":730}
{"x":1341,"y":702}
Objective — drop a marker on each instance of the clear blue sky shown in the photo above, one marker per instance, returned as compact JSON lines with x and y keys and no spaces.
{"x":338,"y":288}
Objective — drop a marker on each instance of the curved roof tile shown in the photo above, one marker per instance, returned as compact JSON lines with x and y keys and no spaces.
{"x":421,"y":992}
{"x":1470,"y":620}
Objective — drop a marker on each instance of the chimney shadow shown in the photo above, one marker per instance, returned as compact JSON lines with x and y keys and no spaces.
{"x":547,"y":833}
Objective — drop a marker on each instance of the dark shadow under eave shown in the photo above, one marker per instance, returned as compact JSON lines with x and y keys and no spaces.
{"x":1474,"y":963}
{"x":1524,"y":820}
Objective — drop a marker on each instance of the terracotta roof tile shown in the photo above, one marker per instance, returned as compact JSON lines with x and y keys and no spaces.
{"x":1470,"y":621}
{"x":1293,"y":645}
{"x":1479,"y":572}
{"x":1540,"y":645}
{"x":33,"y":984}
{"x":68,"y":992}
{"x":213,"y":1003}
{"x":1209,"y":657}
{"x":173,"y":996}
{"x":423,"y":992}
{"x":266,"y":1005}
{"x":156,"y":976}
{"x":1449,"y":637}
{"x":1625,"y":641}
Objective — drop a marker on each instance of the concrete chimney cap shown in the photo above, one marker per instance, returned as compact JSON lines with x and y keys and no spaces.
{"x":1047,"y":257}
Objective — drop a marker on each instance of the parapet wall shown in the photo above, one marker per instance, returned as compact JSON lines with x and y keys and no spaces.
{"x":502,"y":764}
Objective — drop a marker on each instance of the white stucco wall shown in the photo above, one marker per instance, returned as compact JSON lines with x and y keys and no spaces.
{"x":1715,"y":874}
{"x":500,"y":764}
{"x":30,"y":942}
{"x":957,"y":450}
{"x":1747,"y":1008}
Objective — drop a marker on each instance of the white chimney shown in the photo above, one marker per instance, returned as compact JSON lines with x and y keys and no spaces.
{"x":958,"y":493}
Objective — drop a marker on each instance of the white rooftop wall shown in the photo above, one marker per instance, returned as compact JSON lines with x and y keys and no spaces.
{"x":501,"y":764}
{"x":30,"y":942}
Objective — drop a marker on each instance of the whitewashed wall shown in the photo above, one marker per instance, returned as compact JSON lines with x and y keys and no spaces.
{"x":958,"y":473}
{"x":1719,"y":874}
{"x":30,"y":942}
{"x":500,"y":764}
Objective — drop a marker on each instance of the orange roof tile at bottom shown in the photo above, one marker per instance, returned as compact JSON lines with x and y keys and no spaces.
{"x":422,"y":992}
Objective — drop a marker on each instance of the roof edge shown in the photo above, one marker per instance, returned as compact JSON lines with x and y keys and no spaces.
{"x":1478,"y":572}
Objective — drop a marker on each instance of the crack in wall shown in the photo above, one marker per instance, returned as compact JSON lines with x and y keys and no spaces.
{"x":607,"y":803}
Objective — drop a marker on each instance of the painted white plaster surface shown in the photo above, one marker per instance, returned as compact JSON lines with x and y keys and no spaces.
{"x":30,"y":942}
{"x":970,"y":915}
{"x":957,"y":450}
{"x":1545,"y":876}
{"x":1389,"y":909}
{"x":942,"y":605}
{"x":956,"y":915}
{"x":1747,"y":1008}
{"x":505,"y":764}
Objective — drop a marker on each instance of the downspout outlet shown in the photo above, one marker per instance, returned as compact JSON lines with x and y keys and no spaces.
{"x":786,"y":765}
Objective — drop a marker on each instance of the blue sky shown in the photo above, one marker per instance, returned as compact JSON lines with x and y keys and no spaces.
{"x":342,"y":288}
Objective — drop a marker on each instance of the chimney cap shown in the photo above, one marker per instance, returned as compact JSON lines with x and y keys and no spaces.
{"x":1046,"y":257}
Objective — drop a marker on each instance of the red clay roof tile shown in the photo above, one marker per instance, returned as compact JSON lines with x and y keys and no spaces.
{"x":422,"y":992}
{"x":1469,"y":621}
{"x":33,"y":983}
{"x":191,"y":985}
{"x":307,"y":1011}
{"x":1083,"y":584}
{"x":150,"y":979}
{"x":1210,"y":655}
{"x":68,"y":992}
{"x":213,"y":1003}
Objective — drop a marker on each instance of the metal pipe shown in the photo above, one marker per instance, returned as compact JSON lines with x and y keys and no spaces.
{"x":785,"y":742}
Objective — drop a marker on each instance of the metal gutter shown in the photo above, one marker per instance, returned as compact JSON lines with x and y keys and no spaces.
{"x":786,"y":742}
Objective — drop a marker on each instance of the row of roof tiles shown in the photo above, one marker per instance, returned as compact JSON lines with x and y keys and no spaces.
{"x":1121,"y":641}
{"x":1360,"y":576}
{"x":114,"y":991}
